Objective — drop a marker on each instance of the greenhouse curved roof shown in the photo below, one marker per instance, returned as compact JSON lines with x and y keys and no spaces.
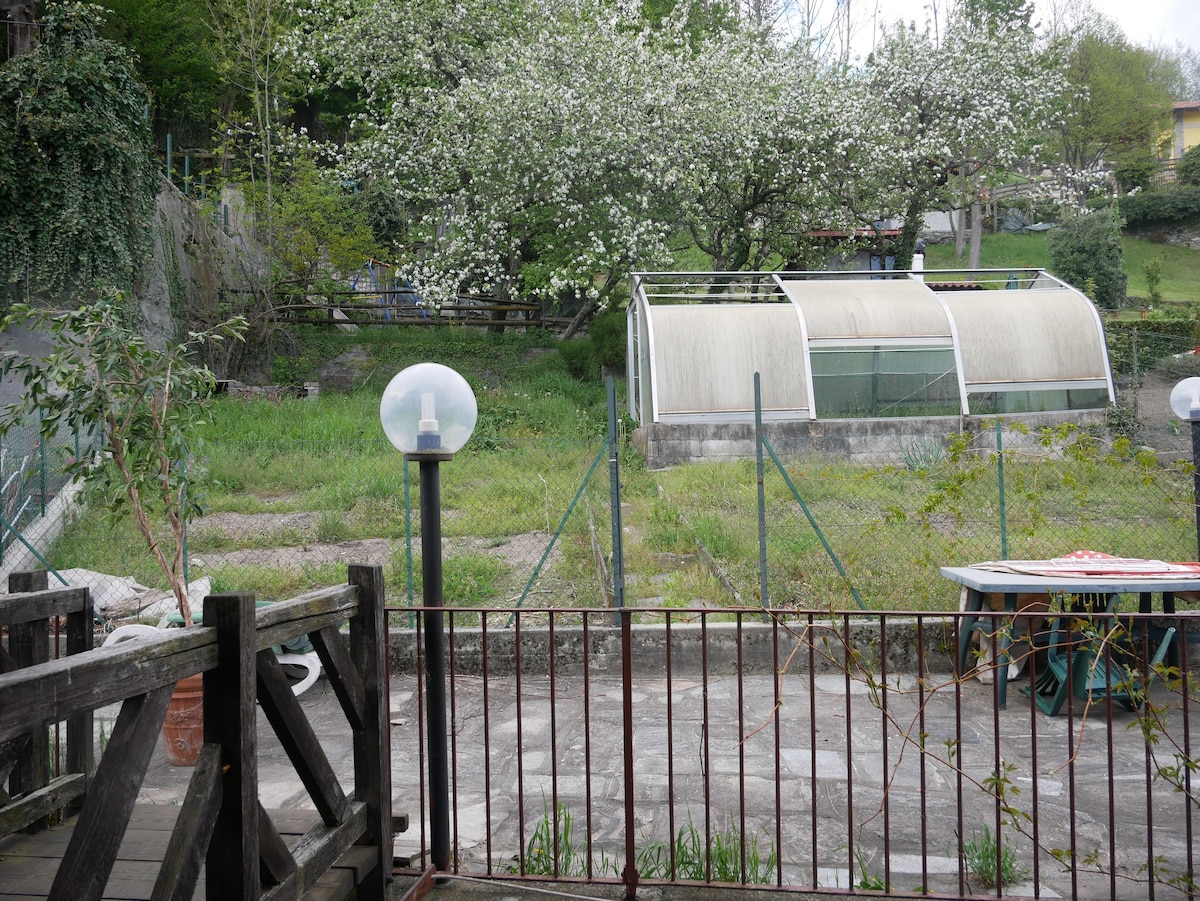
{"x":835,"y":345}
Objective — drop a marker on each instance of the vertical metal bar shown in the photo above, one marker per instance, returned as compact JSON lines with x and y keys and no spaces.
{"x":762,"y":497}
{"x":614,"y":482}
{"x":1110,"y":782}
{"x":850,"y":847}
{"x":958,"y":760}
{"x":887,"y":764}
{"x":1035,"y":770}
{"x":999,"y":688}
{"x":923,"y":757}
{"x":741,"y":720}
{"x":187,"y":174}
{"x":1150,"y":772}
{"x":408,"y":536}
{"x":705,"y":756}
{"x":1073,"y":834}
{"x":170,"y":153}
{"x":587,"y":736}
{"x":778,"y":684}
{"x":1000,"y":485}
{"x":554,"y":745}
{"x":812,"y":744}
{"x":1185,"y":699}
{"x":670,"y":750}
{"x":520,"y":747}
{"x":630,"y":875}
{"x":435,"y":662}
{"x":487,"y":740}
{"x":422,"y":733}
{"x":453,"y":749}
{"x":42,"y":467}
{"x":1196,"y":479}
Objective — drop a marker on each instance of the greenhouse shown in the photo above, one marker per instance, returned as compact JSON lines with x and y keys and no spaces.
{"x":866,"y":348}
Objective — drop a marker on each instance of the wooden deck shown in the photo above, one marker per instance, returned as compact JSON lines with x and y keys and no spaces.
{"x":28,"y":862}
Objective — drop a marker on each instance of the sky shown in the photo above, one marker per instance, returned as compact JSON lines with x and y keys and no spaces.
{"x":1143,"y":21}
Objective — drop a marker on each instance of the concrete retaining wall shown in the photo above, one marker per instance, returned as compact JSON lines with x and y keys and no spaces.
{"x":868,"y":441}
{"x":756,"y":641}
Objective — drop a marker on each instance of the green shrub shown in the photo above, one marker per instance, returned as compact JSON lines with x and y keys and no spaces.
{"x":607,"y":332}
{"x":1135,"y":172}
{"x":1086,"y":249}
{"x":1187,"y":170}
{"x":603,"y":348}
{"x":1161,"y":206}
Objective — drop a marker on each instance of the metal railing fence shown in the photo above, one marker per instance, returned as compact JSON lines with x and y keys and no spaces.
{"x":807,"y":751}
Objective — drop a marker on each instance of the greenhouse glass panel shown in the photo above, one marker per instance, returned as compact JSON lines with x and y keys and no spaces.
{"x":881,"y":381}
{"x":995,"y":403}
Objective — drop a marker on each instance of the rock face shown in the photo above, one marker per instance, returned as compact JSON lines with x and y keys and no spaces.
{"x":349,"y":370}
{"x":1183,"y":236}
{"x":193,"y":259}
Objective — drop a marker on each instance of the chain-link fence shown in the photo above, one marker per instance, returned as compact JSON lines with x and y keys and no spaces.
{"x":530,"y":522}
{"x":37,"y":492}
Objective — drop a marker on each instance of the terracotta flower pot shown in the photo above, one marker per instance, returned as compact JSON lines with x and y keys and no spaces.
{"x":183,"y":729}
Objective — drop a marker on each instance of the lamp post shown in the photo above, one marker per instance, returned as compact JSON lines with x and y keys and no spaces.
{"x":428,"y":412}
{"x":1185,"y":403}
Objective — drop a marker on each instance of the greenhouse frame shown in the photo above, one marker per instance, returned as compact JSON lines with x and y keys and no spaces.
{"x":856,"y":354}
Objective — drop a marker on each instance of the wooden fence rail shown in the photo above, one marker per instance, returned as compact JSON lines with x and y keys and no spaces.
{"x":221,"y":823}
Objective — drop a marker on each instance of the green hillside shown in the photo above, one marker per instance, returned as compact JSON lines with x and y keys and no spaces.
{"x":1180,"y":265}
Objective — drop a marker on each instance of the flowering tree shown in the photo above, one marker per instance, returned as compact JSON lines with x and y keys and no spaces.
{"x":947,"y":111}
{"x":544,"y":150}
{"x":754,"y":127}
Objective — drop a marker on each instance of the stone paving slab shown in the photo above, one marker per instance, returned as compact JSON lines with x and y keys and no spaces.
{"x":865,"y":772}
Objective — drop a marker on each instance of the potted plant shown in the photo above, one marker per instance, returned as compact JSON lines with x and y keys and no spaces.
{"x":143,"y":406}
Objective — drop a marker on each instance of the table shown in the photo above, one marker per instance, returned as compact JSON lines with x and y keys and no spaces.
{"x":982,"y":582}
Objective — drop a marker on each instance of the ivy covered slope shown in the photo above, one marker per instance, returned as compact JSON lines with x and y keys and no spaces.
{"x":77,"y":175}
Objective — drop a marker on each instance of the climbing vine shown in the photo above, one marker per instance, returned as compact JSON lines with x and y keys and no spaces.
{"x":77,"y":174}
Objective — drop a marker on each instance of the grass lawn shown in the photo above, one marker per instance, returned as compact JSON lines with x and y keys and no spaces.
{"x":1180,"y":265}
{"x":296,"y":488}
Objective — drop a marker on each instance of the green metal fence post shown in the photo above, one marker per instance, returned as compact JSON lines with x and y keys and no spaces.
{"x":614,"y":482}
{"x":42,"y":485}
{"x":1000,"y":480}
{"x":169,"y":151}
{"x":762,"y":496}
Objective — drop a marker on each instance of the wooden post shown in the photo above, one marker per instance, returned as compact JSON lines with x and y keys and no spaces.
{"x":29,"y":645}
{"x":372,"y":744}
{"x":230,"y":719}
{"x":81,"y":755}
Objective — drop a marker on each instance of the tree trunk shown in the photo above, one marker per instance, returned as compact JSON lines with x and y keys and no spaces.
{"x":976,"y":233}
{"x":959,"y":227}
{"x":582,"y":318}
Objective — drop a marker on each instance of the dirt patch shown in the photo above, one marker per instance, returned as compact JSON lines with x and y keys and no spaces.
{"x":368,"y":551}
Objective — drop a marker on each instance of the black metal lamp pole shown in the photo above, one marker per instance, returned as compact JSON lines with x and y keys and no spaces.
{"x":435,"y":657}
{"x":1196,"y":478}
{"x":428,"y":412}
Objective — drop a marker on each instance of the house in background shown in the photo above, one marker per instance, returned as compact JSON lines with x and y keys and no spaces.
{"x":1185,"y":116}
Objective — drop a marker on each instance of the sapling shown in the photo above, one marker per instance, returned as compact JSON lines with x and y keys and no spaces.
{"x":145,"y":405}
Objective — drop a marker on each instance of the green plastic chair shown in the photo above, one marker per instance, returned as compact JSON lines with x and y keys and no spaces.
{"x":1094,"y":673}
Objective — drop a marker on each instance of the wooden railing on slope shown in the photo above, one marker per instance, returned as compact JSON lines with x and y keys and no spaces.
{"x":221,"y":823}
